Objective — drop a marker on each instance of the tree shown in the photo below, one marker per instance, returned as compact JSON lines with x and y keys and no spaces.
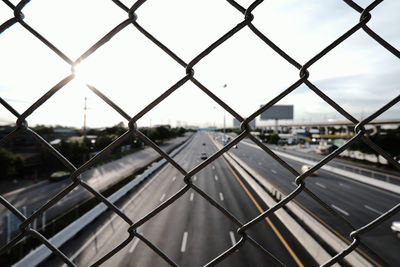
{"x":10,"y":164}
{"x":273,"y":139}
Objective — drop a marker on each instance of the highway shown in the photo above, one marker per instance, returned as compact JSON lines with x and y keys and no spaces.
{"x":190,"y":231}
{"x":356,"y":202}
{"x":365,"y":169}
{"x":99,"y":177}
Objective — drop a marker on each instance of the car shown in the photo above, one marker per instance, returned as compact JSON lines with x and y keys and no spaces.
{"x":203,"y":156}
{"x":59,"y":175}
{"x":396,"y":228}
{"x":204,"y":144}
{"x":305,"y":168}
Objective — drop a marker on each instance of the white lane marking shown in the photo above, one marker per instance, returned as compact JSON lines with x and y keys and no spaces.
{"x":213,"y":167}
{"x":273,"y":171}
{"x":341,"y":177}
{"x":191,"y":196}
{"x":194,"y":178}
{"x":135,"y":198}
{"x":173,"y":178}
{"x":344,"y":185}
{"x":320,"y":185}
{"x":184,"y":239}
{"x":341,"y":210}
{"x":134,"y":244}
{"x":162,"y":197}
{"x":216,"y":178}
{"x":233,"y":240}
{"x":221,"y":196}
{"x":372,"y":209}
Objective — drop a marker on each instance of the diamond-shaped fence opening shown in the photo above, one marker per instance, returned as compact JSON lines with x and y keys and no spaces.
{"x":287,"y":28}
{"x":302,"y":180}
{"x":189,"y":36}
{"x":78,"y":28}
{"x":6,"y":12}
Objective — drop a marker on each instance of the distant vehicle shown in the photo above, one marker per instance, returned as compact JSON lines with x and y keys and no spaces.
{"x":204,"y":144}
{"x":325,"y":149}
{"x":396,"y":228}
{"x":226,"y":141}
{"x":235,"y":146}
{"x":305,"y":168}
{"x":59,"y":175}
{"x":203,"y":156}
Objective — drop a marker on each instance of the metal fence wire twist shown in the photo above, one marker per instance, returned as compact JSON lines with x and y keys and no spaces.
{"x":189,"y":76}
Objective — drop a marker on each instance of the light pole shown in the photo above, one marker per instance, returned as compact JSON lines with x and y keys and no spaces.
{"x":224,"y":114}
{"x":84,"y":120}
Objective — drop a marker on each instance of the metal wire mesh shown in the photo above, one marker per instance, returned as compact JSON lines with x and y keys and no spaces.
{"x":189,"y":76}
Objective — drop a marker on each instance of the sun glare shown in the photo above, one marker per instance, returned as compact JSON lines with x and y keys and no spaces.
{"x":83,"y":73}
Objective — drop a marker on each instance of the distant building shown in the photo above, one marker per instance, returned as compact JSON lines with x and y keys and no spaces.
{"x":64,"y":132}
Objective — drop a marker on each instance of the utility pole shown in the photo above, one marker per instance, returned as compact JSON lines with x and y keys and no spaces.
{"x":224,"y":113}
{"x":84,"y":120}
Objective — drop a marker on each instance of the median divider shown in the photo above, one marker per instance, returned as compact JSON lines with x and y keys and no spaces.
{"x":351,"y":175}
{"x":39,"y":254}
{"x":354,"y":176}
{"x":316,"y":250}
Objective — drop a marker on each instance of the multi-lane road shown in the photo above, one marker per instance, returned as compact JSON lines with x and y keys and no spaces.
{"x":191,"y":231}
{"x":356,"y":202}
{"x":99,"y":177}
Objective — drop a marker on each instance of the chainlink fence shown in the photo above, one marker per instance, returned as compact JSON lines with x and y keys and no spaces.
{"x":25,"y":228}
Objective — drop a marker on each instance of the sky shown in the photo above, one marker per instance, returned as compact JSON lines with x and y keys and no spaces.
{"x":359,"y":74}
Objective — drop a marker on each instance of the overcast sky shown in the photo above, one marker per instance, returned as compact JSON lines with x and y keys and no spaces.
{"x":359,"y":74}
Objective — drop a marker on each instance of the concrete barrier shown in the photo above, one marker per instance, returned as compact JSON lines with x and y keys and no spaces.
{"x":354,"y":176}
{"x":319,"y":254}
{"x":39,"y":254}
{"x":351,"y":175}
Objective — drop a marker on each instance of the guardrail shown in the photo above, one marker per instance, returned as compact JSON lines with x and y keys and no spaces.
{"x":356,"y":169}
{"x":38,"y":255}
{"x":363,"y":171}
{"x":308,"y":242}
{"x":344,"y":173}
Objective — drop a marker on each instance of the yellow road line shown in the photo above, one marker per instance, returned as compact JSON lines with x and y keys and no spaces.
{"x":328,"y":226}
{"x":339,"y":235}
{"x":277,"y":233}
{"x":321,"y":221}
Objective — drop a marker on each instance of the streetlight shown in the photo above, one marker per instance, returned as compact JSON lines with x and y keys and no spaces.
{"x":84,"y":120}
{"x":224,"y":115}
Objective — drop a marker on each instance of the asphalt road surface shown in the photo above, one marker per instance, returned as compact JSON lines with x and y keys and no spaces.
{"x":356,"y":202}
{"x":99,"y":177}
{"x":190,"y":231}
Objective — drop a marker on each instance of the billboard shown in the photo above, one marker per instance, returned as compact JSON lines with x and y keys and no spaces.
{"x":236,"y":123}
{"x":278,"y":112}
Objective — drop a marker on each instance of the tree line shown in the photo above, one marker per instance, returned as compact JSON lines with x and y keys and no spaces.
{"x":79,"y":150}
